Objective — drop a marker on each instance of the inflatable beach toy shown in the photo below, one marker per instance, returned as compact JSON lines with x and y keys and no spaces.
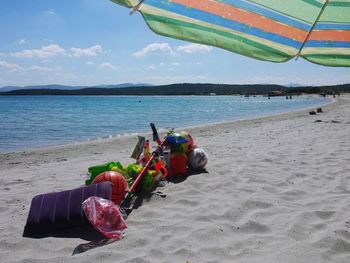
{"x":120,"y":185}
{"x":177,"y":142}
{"x":197,"y":159}
{"x":189,"y":145}
{"x":57,"y":211}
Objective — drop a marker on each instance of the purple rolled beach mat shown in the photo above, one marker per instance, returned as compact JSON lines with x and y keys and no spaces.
{"x":62,"y":210}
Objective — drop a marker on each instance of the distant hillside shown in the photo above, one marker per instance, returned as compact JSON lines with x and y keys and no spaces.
{"x":51,"y":86}
{"x":345,"y":88}
{"x":188,"y":89}
{"x":64,"y":87}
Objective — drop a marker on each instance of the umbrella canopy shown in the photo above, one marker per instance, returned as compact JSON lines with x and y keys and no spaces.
{"x":270,"y":30}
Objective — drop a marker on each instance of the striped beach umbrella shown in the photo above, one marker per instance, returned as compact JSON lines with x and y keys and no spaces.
{"x":270,"y":30}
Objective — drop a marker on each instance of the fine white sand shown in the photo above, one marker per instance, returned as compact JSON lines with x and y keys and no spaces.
{"x":277,"y":189}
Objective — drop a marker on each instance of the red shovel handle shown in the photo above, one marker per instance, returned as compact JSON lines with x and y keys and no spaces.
{"x":141,"y":174}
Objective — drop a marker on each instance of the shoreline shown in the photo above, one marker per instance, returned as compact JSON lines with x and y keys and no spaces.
{"x":113,"y":137}
{"x":276,"y":189}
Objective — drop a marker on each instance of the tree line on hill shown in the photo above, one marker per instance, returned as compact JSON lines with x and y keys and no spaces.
{"x":190,"y":89}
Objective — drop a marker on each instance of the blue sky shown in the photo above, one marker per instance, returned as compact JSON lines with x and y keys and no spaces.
{"x":92,"y":42}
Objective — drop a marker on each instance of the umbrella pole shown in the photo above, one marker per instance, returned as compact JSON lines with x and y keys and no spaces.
{"x":311,"y":30}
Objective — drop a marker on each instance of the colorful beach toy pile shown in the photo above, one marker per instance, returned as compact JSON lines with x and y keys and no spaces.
{"x":111,"y":187}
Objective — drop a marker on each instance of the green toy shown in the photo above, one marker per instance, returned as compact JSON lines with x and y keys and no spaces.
{"x":133,"y":169}
{"x":96,"y":170}
{"x":150,"y":178}
{"x":148,"y":181}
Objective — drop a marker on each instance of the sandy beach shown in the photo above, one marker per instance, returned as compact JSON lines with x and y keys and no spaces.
{"x":277,"y":189}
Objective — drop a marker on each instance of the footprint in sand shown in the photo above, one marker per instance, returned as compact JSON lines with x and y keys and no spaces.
{"x":252,"y":227}
{"x":324,"y":214}
{"x":256,"y":205}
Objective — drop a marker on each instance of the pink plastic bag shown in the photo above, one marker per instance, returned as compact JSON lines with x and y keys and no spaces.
{"x":105,"y":217}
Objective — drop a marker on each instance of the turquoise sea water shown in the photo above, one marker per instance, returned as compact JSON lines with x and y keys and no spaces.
{"x":36,"y":121}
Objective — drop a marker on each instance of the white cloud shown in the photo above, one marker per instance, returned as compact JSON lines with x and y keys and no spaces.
{"x":50,"y":12}
{"x":193,"y":48}
{"x":21,"y":41}
{"x":166,"y":48}
{"x":177,"y":79}
{"x":47,"y":40}
{"x":88,"y":52}
{"x":11,"y":67}
{"x":44,"y":69}
{"x":175,"y":64}
{"x":55,"y":50}
{"x":67,"y":76}
{"x":107,"y":65}
{"x":44,"y":52}
{"x":2,"y":54}
{"x":155,"y":66}
{"x":90,"y":63}
{"x":154,"y":47}
{"x":46,"y":61}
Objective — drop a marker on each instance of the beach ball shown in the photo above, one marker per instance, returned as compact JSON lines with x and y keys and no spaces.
{"x":177,"y":142}
{"x":189,"y":145}
{"x":119,"y":187}
{"x":197,"y":159}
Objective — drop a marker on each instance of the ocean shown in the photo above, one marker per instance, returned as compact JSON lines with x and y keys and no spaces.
{"x":28,"y":122}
